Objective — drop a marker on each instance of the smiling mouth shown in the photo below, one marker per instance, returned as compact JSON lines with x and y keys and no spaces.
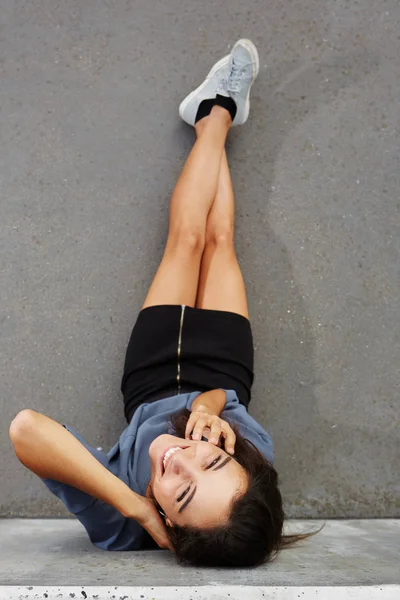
{"x":175,"y":448}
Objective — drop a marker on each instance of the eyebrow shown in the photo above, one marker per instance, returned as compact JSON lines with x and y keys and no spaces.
{"x":220,"y":466}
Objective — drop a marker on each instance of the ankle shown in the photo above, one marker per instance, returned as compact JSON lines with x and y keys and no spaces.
{"x":222,"y":114}
{"x":218,"y":116}
{"x":200,"y":125}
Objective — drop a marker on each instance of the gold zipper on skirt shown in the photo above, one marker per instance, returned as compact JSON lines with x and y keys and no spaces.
{"x":178,"y":375}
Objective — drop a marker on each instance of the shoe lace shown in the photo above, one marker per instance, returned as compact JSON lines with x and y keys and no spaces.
{"x":223,"y":85}
{"x":235,"y":76}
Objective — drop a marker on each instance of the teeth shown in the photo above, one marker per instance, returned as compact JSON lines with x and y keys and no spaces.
{"x":170,"y":452}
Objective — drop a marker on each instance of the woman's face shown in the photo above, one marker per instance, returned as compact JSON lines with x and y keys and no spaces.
{"x":194,"y":482}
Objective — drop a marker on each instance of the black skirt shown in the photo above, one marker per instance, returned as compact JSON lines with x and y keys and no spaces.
{"x":177,"y":349}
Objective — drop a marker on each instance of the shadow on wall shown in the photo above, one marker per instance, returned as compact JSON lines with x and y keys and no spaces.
{"x":283,"y":395}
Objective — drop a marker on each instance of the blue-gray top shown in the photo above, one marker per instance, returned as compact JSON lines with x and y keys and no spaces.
{"x":129,"y":460}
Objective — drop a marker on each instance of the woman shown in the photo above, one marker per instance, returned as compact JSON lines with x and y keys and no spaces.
{"x":192,"y":470}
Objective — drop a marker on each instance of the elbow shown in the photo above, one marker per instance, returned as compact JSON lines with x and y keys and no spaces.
{"x":22,"y":427}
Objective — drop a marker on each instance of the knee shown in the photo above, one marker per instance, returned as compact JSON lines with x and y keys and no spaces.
{"x":221,"y":236}
{"x":187,"y":239}
{"x":22,"y":425}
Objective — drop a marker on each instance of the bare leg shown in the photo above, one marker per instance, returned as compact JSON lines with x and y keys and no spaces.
{"x":221,"y":285}
{"x":177,"y":278}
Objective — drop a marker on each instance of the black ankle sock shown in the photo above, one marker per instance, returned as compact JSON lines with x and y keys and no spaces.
{"x":204,"y":109}
{"x":227,"y":103}
{"x":206,"y":106}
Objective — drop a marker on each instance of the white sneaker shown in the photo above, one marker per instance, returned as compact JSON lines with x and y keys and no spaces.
{"x":243,"y":70}
{"x":214,"y":83}
{"x":231,"y":76}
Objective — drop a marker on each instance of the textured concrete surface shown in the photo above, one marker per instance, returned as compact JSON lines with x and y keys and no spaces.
{"x":91,"y":148}
{"x":389,"y":592}
{"x":56,"y":552}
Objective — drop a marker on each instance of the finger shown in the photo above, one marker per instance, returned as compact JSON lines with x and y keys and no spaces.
{"x":158,"y":533}
{"x":189,"y":426}
{"x":215,"y":432}
{"x":194,"y":417}
{"x":198,"y":429}
{"x":165,"y":543}
{"x":230,"y":439}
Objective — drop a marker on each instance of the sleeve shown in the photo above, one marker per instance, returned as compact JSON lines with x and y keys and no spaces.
{"x":236,"y":413}
{"x":106,"y":527}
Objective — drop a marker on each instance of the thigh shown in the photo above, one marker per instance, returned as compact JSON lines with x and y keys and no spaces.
{"x":221,"y":285}
{"x":177,"y":277}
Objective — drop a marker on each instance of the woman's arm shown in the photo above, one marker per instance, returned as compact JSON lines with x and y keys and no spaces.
{"x":212,"y":402}
{"x":49,"y":450}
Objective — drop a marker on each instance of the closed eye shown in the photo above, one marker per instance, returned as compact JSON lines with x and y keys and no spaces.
{"x":214,"y":462}
{"x":217,"y":468}
{"x":183,"y":495}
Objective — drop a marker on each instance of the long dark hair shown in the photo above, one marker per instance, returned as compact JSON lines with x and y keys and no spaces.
{"x":253,"y":534}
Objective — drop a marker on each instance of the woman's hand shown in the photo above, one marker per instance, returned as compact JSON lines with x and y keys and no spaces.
{"x":149,"y":518}
{"x":201,"y":419}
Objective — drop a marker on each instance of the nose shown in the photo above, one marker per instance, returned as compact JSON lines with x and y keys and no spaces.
{"x":183,"y":461}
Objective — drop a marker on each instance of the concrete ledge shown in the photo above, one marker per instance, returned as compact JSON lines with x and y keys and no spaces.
{"x":202,"y":593}
{"x":57,"y":553}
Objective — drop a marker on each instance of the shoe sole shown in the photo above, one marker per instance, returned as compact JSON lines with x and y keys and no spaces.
{"x":256,"y":68}
{"x":189,"y":98}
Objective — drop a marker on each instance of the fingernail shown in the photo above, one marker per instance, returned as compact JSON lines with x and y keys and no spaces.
{"x":213,"y":440}
{"x":196,"y":436}
{"x":231,"y":450}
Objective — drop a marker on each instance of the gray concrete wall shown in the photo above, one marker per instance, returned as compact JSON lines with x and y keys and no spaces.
{"x":91,"y":148}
